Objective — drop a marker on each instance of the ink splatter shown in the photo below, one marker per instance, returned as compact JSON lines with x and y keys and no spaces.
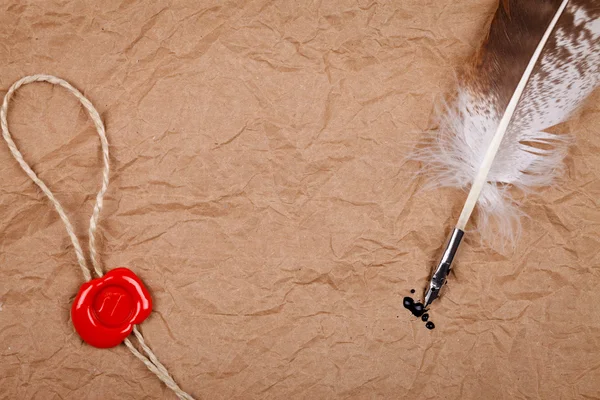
{"x":418,"y":310}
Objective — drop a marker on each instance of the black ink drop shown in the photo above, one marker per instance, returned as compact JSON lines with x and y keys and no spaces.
{"x":429,"y":325}
{"x":412,"y":290}
{"x":425,"y":317}
{"x":416,"y":309}
{"x":419,"y":309}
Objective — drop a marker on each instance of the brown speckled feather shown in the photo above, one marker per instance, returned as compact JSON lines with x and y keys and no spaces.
{"x":567,"y":71}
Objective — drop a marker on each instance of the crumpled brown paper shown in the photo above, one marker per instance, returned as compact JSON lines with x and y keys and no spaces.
{"x":259,"y":189}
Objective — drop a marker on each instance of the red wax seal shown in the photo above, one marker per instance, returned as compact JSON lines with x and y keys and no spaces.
{"x":106,"y":308}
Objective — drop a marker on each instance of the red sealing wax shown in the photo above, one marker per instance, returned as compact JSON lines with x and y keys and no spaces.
{"x":106,"y":308}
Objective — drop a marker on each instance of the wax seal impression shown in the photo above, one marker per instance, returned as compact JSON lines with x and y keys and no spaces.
{"x":106,"y":309}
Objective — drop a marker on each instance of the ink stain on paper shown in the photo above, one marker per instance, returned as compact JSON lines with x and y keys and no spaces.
{"x":418,"y":310}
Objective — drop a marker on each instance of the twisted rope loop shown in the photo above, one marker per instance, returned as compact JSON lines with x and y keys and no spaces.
{"x":149,"y":359}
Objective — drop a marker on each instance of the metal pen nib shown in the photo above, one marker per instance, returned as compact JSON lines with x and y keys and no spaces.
{"x":443,"y":269}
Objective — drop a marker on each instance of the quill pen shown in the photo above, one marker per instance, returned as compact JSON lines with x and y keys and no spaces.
{"x":541,"y":59}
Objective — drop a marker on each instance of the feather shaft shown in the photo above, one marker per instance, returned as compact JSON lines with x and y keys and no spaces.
{"x":484,"y":169}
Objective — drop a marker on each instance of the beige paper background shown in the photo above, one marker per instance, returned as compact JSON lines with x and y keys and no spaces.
{"x":259,"y":189}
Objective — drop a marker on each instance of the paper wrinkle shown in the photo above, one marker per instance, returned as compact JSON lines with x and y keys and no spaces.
{"x":261,"y":192}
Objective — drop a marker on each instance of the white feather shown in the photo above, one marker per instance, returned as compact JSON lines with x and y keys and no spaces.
{"x":528,"y":156}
